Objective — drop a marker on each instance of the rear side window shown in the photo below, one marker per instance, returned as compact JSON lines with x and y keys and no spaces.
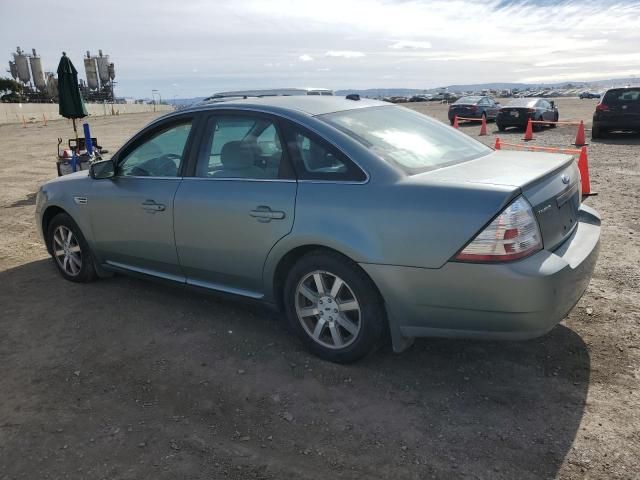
{"x":627,"y":95}
{"x":316,"y":159}
{"x":241,"y":147}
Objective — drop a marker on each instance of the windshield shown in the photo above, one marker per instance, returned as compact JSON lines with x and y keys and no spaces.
{"x":406,"y":139}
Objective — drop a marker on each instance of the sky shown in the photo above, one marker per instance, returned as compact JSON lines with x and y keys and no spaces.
{"x":196,"y":47}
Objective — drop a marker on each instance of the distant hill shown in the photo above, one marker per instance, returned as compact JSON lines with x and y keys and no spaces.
{"x":408,"y":92}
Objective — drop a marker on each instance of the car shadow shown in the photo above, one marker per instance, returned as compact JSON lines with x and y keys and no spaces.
{"x":169,"y":368}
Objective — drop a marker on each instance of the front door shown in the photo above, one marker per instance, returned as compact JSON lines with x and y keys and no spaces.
{"x":132,"y":214}
{"x":236,"y":205}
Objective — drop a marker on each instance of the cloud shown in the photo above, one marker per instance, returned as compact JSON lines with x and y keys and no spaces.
{"x":410,"y":45}
{"x":371,"y":43}
{"x":345,"y":54}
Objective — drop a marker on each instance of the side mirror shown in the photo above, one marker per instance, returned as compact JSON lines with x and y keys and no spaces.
{"x":101,"y":170}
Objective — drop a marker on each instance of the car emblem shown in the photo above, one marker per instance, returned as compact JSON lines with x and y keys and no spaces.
{"x":565,"y":179}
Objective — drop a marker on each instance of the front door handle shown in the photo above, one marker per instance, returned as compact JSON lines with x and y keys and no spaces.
{"x":152,"y":207}
{"x":264,"y":214}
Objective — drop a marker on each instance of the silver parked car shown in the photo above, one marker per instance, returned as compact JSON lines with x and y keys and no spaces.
{"x":355,"y":217}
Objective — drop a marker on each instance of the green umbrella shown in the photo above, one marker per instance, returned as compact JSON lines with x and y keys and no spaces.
{"x":69,"y":98}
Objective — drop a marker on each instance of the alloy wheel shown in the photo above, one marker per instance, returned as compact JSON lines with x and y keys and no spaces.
{"x":66,"y":251}
{"x":328,"y":310}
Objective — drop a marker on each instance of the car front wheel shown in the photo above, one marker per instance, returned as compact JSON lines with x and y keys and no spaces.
{"x":70,"y":250}
{"x":334,"y":307}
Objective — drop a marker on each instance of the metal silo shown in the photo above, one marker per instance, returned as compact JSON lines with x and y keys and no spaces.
{"x":103,"y":67}
{"x":91,"y":71}
{"x":52,"y":85}
{"x":37,"y":72}
{"x":13,"y":69}
{"x":22,"y":65}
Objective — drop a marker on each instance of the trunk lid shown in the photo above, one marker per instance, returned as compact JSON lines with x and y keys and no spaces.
{"x":550,"y":182}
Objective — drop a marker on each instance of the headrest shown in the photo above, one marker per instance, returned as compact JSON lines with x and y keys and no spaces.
{"x":236,"y":154}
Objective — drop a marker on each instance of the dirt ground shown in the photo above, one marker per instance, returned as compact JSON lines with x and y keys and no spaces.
{"x":125,"y":379}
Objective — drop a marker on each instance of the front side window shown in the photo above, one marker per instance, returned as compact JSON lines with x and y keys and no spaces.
{"x":406,"y":139}
{"x":159,"y":156}
{"x":241,"y":146}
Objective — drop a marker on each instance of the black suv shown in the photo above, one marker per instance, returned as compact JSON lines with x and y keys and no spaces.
{"x":619,"y":109}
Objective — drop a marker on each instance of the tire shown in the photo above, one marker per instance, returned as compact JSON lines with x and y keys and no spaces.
{"x":501,"y":127}
{"x":451,"y":121}
{"x":537,"y":127}
{"x":314,"y":316}
{"x":555,"y":119}
{"x":71,"y":254}
{"x":596,"y":132}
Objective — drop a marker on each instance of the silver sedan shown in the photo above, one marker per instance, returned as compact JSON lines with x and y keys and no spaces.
{"x":354,"y":217}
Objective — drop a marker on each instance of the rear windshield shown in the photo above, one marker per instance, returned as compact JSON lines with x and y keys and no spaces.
{"x":407,"y":139}
{"x":471,"y":100}
{"x":522,"y":102}
{"x":622,"y":95}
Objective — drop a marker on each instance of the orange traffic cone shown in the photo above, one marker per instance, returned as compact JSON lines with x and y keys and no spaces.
{"x":528,"y":134}
{"x":483,"y":128}
{"x":583,"y":166}
{"x":455,"y":121}
{"x":580,"y":141}
{"x":497,"y":146}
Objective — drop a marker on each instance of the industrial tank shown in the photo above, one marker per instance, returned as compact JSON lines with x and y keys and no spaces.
{"x":22,"y":65}
{"x":91,"y":71}
{"x":52,"y":85}
{"x":13,"y":69}
{"x":37,"y":72}
{"x":103,"y":67}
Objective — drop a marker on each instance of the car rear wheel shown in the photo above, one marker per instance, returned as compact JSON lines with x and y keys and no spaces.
{"x":537,"y":127}
{"x":334,"y":307}
{"x":69,"y":249}
{"x":555,"y":119}
{"x":596,"y":131}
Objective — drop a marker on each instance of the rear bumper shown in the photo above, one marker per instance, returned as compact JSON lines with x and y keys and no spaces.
{"x":618,"y":123}
{"x":511,"y":121}
{"x":477,"y":114}
{"x":517,"y":300}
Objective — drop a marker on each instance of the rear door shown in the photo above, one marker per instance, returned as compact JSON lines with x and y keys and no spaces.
{"x":236,"y":203}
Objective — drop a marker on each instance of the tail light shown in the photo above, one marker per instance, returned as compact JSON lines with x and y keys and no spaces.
{"x":511,"y":235}
{"x":601,"y":107}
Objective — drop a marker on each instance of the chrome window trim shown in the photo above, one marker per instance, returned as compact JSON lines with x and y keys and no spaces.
{"x":241,"y":179}
{"x":120,"y":177}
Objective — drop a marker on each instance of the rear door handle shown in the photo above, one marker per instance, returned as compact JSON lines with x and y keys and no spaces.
{"x":264,"y":214}
{"x":152,"y":207}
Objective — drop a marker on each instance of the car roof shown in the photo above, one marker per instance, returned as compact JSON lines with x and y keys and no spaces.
{"x":308,"y":104}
